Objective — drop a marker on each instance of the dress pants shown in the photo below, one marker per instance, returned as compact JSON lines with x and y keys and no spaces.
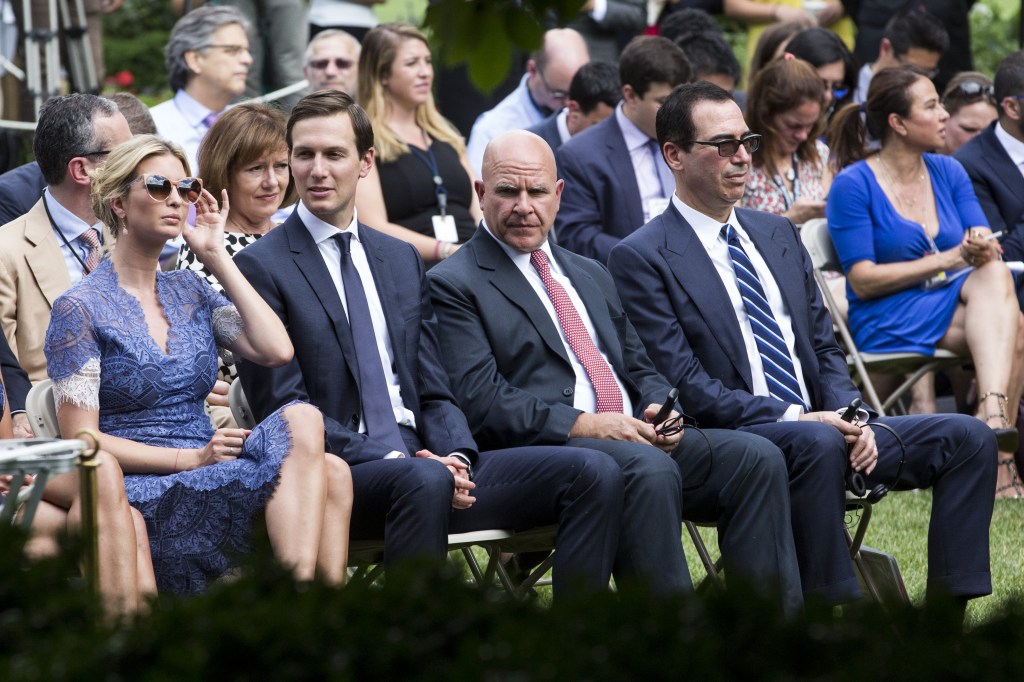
{"x":741,"y":487}
{"x":408,"y":503}
{"x":953,"y":454}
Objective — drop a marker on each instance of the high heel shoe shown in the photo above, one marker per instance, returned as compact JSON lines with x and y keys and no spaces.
{"x":1014,"y":484}
{"x":1007,"y":438}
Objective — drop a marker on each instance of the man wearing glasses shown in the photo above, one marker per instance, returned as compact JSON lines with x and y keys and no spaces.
{"x":726,"y":303}
{"x":912,"y":37}
{"x":208,"y":61}
{"x":542,"y":91}
{"x":994,"y":160}
{"x":60,"y":240}
{"x":615,"y":178}
{"x":332,"y":60}
{"x":546,"y":356}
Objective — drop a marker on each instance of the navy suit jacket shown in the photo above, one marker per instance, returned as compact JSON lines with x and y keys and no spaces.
{"x":1000,"y":188}
{"x":601,"y":200}
{"x":676,"y":299}
{"x":547,"y":130}
{"x":286,"y":268}
{"x":508,"y":365}
{"x":15,"y":379}
{"x":20,"y":189}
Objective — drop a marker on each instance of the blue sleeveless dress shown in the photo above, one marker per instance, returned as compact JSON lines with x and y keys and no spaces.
{"x":100,"y":356}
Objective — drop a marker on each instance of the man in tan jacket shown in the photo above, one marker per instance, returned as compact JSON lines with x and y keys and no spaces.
{"x":50,"y":248}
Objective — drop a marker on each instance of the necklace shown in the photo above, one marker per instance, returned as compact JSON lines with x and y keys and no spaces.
{"x":908,"y":204}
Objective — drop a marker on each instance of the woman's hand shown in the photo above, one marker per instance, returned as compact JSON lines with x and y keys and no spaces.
{"x":976,"y":249}
{"x":206,"y":239}
{"x":225,"y":446}
{"x":803,"y":210}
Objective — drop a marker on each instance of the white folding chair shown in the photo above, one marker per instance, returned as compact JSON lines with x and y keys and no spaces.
{"x":42,"y":410}
{"x":240,"y":406}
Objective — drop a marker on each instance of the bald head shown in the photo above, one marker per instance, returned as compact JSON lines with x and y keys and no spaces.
{"x":550,"y":70}
{"x":519,"y":192}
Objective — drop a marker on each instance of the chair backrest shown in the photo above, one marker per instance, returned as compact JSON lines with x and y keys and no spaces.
{"x":240,"y":406}
{"x":42,"y":410}
{"x":818,"y":242}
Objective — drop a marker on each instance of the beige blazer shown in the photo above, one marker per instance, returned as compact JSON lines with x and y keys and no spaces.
{"x":32,"y":276}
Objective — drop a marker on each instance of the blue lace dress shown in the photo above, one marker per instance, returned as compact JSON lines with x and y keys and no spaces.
{"x":100,"y":356}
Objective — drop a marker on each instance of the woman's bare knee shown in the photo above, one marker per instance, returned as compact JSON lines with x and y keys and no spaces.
{"x":306,"y":426}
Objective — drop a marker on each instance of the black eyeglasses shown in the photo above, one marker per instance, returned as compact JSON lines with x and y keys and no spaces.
{"x":839,"y":90}
{"x":339,"y":63}
{"x":560,"y":95}
{"x":98,"y":152}
{"x":671,"y":427}
{"x":159,"y":188}
{"x":729,"y":147}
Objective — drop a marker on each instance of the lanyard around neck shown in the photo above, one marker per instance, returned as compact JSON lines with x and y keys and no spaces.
{"x":53,"y":223}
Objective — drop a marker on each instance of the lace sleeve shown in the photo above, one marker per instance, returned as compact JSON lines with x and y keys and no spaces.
{"x":81,"y":388}
{"x":227,"y":325}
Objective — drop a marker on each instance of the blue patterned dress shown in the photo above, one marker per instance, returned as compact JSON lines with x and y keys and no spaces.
{"x":100,"y":356}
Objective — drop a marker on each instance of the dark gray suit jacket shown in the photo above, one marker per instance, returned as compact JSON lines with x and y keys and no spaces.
{"x":506,"y":361}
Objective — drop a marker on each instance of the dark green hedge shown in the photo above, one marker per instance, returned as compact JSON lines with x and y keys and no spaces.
{"x":426,"y":623}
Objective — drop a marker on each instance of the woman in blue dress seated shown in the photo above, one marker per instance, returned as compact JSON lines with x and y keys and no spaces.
{"x":133,"y":352}
{"x":922,"y":271}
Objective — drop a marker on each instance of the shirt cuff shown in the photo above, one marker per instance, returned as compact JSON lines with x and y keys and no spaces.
{"x":395,"y":454}
{"x":792,"y":413}
{"x":599,"y":11}
{"x":465,"y":460}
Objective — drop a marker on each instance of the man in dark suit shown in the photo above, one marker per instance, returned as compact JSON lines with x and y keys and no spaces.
{"x":994,"y":160}
{"x":356,"y":306}
{"x":593,"y":94}
{"x":17,"y":385}
{"x":740,"y":328}
{"x":538,"y":366}
{"x":615,"y":178}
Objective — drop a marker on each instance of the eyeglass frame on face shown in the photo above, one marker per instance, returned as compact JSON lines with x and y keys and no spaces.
{"x":839,"y":89}
{"x":231,"y":50}
{"x":751,"y":143}
{"x":340,"y":63}
{"x":561,"y":95}
{"x":98,"y":152}
{"x":167,"y":185}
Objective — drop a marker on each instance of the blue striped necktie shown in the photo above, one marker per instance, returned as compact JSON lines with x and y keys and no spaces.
{"x":779,"y":372}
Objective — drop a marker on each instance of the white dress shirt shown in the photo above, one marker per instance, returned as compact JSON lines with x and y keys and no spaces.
{"x":516,"y":112}
{"x":709,"y":232}
{"x":584,"y":397}
{"x":1014,"y":147}
{"x":69,"y":230}
{"x":652,"y":180}
{"x":181,"y":120}
{"x":323,"y":234}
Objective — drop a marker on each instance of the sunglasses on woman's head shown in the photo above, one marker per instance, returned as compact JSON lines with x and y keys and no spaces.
{"x":973,"y":89}
{"x":159,"y":188}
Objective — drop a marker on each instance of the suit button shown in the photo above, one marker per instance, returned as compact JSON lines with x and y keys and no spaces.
{"x":567,"y":392}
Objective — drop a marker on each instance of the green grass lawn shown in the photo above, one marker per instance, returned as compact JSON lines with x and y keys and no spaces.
{"x":899,"y":526}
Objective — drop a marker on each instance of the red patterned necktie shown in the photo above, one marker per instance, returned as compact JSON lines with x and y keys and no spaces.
{"x":92,"y":240}
{"x":609,"y":397}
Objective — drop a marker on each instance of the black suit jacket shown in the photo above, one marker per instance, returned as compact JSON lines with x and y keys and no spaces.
{"x":999,"y":186}
{"x":20,"y":189}
{"x":286,"y":268}
{"x":694,"y":337}
{"x":15,"y":379}
{"x":506,"y":360}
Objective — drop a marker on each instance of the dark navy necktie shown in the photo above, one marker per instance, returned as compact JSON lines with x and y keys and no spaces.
{"x":779,"y":372}
{"x":378,"y":414}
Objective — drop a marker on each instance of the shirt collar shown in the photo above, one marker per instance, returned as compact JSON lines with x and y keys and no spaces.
{"x":70,"y":225}
{"x":708,"y":229}
{"x":320,"y":230}
{"x":192,"y":111}
{"x":634,"y":137}
{"x":1013,"y":146}
{"x":518,"y":257}
{"x":563,"y":126}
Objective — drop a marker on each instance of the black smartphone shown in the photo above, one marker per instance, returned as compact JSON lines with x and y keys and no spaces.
{"x":667,"y":407}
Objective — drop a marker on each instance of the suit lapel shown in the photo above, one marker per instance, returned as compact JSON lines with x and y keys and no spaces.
{"x":1002,"y":165}
{"x":310,"y":263}
{"x":622,"y":166}
{"x":507,"y":279}
{"x":696,"y":274}
{"x":45,"y":260}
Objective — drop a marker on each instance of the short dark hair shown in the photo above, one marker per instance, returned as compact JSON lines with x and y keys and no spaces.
{"x":709,"y":54}
{"x":1009,"y":80}
{"x":688,"y":21}
{"x":328,"y":103}
{"x":65,"y":130}
{"x":140,"y":121}
{"x":595,"y":83}
{"x":916,"y":27}
{"x":818,"y":47}
{"x":674,"y":122}
{"x":652,"y":59}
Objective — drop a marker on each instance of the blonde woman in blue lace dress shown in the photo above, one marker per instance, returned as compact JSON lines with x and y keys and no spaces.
{"x":133,"y":352}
